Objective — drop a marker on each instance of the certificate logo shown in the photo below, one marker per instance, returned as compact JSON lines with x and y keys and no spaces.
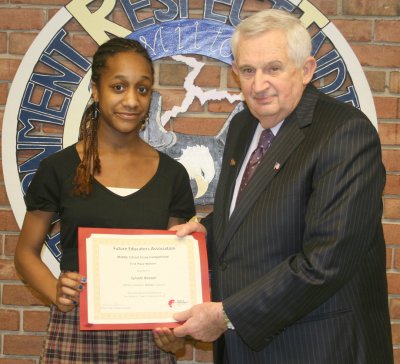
{"x":178,"y":304}
{"x":51,"y":88}
{"x":171,"y":303}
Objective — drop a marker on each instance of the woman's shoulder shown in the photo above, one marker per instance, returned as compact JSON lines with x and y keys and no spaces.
{"x":67,"y":154}
{"x":53,"y":173}
{"x":63,"y":161}
{"x":167,"y":161}
{"x":172,"y":167}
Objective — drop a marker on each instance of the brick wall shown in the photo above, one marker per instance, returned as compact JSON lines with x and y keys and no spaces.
{"x":371,"y":27}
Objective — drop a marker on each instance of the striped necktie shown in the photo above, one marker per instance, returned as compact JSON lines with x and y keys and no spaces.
{"x":263,"y":144}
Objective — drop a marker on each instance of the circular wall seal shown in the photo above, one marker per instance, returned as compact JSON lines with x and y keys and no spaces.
{"x":52,"y":85}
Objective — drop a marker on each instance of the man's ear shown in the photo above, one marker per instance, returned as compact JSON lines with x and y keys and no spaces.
{"x":308,"y":69}
{"x":94,"y":92}
{"x":235,"y":68}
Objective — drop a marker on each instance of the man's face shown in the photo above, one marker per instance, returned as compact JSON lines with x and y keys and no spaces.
{"x":270,"y":82}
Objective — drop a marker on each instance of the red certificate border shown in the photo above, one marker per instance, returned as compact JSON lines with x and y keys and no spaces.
{"x":84,"y":233}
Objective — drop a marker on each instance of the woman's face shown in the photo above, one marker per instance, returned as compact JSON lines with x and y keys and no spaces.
{"x":123,"y":92}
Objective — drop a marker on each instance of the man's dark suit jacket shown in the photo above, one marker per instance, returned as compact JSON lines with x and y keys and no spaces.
{"x":300,"y":264}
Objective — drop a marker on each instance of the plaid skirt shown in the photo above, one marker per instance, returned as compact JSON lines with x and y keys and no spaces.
{"x":66,"y":343}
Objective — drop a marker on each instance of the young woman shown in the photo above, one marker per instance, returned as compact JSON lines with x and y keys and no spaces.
{"x":110,"y":178}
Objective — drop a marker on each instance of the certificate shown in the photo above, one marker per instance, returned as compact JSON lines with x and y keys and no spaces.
{"x":137,"y":279}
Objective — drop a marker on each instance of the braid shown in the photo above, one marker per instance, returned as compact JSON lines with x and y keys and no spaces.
{"x":90,"y":163}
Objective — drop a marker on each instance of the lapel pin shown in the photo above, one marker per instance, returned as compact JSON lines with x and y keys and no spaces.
{"x":232,"y":162}
{"x":277,"y":166}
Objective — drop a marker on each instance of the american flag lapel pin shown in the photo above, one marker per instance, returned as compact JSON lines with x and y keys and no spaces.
{"x":232,"y":162}
{"x":277,"y":166}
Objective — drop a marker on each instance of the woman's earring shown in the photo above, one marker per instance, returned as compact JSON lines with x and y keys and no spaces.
{"x":144,"y":123}
{"x":95,"y":111}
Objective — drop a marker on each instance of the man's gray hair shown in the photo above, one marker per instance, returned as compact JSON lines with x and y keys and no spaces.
{"x":298,"y":38}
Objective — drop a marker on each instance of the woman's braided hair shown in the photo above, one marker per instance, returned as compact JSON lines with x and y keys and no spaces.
{"x":90,"y":163}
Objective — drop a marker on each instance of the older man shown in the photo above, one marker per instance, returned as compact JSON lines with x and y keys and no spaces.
{"x":295,"y":239}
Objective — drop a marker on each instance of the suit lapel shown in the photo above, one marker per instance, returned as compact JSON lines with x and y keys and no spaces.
{"x":235,"y":154}
{"x":284,"y":144}
{"x":244,"y":140}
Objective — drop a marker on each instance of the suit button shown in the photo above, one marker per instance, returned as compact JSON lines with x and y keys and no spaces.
{"x":223,"y":265}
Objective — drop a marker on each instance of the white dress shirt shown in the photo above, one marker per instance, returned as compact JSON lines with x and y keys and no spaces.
{"x":252,"y":147}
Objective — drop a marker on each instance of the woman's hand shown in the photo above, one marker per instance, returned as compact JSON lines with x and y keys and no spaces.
{"x":167,"y":341}
{"x":69,"y":286}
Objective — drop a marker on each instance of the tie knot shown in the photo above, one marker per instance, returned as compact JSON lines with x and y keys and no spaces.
{"x":265,"y":139}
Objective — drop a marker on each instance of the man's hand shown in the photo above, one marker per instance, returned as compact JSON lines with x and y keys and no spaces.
{"x":188,"y":228}
{"x":204,"y":322}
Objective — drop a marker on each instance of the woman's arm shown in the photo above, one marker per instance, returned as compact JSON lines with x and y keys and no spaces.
{"x":63,"y":292}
